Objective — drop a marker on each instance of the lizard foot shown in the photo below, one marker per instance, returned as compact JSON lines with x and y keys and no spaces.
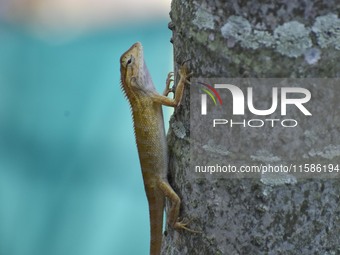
{"x":169,"y":79}
{"x":183,"y":225}
{"x":188,"y":78}
{"x":184,"y":73}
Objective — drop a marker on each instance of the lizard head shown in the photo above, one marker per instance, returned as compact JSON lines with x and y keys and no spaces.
{"x":131,"y":66}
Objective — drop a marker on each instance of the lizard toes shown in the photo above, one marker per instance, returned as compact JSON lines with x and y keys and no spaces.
{"x":170,"y":75}
{"x":183,"y":70}
{"x":183,"y":225}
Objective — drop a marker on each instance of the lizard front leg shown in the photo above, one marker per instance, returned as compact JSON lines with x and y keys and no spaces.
{"x":163,"y":99}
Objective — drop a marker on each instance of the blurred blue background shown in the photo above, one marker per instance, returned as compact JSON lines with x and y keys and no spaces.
{"x":70,"y":181}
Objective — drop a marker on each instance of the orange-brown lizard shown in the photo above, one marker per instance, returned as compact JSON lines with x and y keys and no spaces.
{"x":146,"y":105}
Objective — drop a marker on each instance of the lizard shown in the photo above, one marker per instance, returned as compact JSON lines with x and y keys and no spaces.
{"x":146,"y":105}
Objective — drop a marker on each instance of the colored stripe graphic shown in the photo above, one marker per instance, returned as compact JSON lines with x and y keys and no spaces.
{"x":213,"y":90}
{"x":211,"y":95}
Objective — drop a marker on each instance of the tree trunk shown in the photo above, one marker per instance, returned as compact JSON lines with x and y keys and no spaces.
{"x":285,"y":39}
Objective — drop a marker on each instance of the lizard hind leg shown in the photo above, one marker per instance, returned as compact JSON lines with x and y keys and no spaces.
{"x":175,"y":201}
{"x":172,"y":216}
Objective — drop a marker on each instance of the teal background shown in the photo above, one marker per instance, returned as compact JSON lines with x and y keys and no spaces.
{"x":70,"y":181}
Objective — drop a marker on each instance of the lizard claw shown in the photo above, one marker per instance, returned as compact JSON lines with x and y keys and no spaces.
{"x":169,"y":79}
{"x":187,"y":60}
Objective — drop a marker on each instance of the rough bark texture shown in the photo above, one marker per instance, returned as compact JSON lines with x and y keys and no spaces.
{"x":254,"y":39}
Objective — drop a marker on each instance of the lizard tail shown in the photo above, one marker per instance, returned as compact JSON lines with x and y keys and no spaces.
{"x":156,"y":205}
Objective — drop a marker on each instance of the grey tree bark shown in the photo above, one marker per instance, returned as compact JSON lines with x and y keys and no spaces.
{"x":250,"y":216}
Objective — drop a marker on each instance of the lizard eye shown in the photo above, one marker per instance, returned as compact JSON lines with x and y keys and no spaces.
{"x":129,"y":61}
